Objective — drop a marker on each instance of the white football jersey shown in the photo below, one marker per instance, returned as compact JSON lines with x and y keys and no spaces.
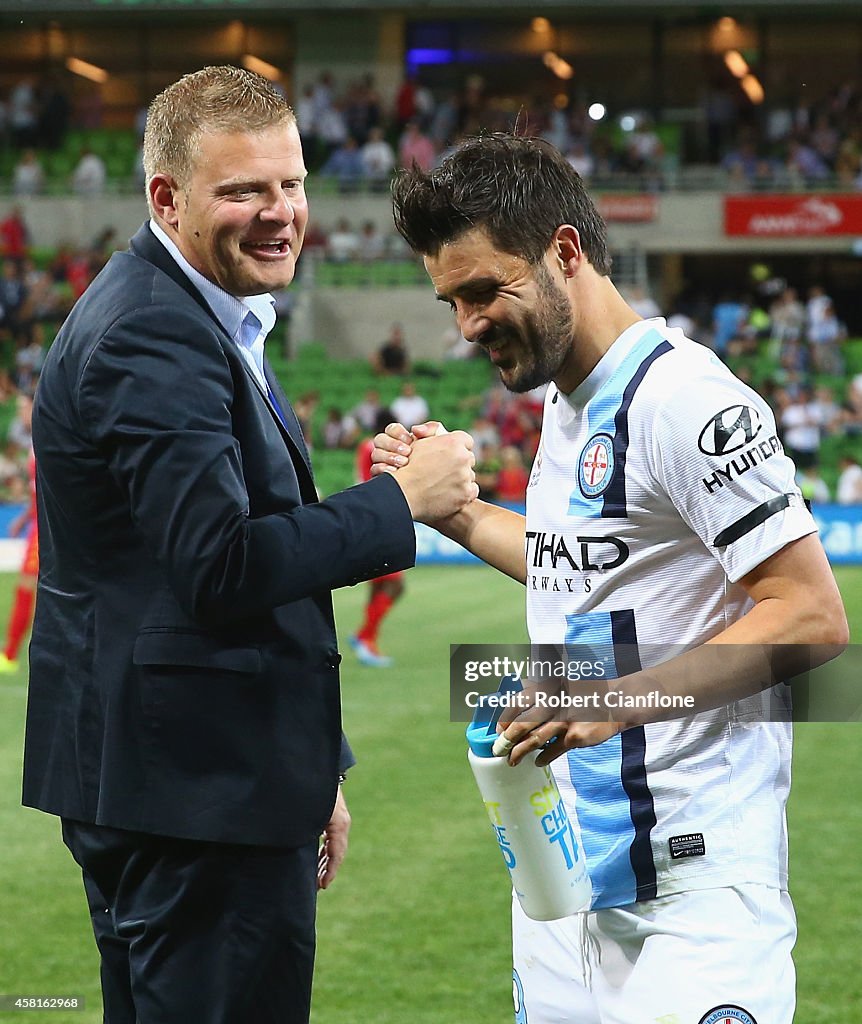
{"x":659,"y":483}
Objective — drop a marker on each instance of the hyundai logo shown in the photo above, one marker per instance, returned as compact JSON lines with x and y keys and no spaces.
{"x":730,"y":430}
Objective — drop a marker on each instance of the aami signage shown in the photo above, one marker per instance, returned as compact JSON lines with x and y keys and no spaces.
{"x":796,"y":216}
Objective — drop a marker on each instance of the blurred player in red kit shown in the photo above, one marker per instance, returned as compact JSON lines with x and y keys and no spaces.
{"x":25,"y":592}
{"x":385,"y":590}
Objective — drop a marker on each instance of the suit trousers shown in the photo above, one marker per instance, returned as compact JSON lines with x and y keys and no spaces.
{"x":193,"y":932}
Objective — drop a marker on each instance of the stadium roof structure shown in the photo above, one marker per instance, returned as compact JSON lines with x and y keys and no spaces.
{"x":684,"y":7}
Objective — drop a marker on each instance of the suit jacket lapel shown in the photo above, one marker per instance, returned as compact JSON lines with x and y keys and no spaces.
{"x":289,"y":427}
{"x":145,"y":245}
{"x":149,"y":248}
{"x":292,"y":424}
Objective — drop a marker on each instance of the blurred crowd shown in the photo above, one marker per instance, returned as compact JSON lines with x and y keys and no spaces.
{"x":35,"y":113}
{"x":356,"y":137}
{"x":806,"y":144}
{"x":347,"y":241}
{"x":15,"y":454}
{"x":35,"y":118}
{"x":88,"y":177}
{"x":34,"y":300}
{"x":353,"y":137}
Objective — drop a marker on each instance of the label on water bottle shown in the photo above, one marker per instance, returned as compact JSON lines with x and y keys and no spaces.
{"x":553,"y":818}
{"x":500,"y":835}
{"x":558,"y":829}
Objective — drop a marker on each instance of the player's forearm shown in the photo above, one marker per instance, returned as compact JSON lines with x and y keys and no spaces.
{"x":714,"y":675}
{"x":779,"y":638}
{"x":496,"y":535}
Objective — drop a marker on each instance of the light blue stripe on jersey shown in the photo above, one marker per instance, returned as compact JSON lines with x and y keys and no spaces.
{"x":601,"y":411}
{"x":603,"y":806}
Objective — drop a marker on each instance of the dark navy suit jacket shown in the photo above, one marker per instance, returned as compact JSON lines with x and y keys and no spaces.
{"x":184,"y":666}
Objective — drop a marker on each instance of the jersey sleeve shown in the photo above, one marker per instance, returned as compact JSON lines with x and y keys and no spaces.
{"x":717,"y":455}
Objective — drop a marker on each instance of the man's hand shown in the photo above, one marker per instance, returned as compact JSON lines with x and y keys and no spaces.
{"x":436,"y":473}
{"x":393,"y":447}
{"x":333,"y":843}
{"x":496,"y":535}
{"x":529,"y":727}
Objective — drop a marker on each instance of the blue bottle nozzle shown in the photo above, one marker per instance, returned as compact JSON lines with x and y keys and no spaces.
{"x":482,"y":731}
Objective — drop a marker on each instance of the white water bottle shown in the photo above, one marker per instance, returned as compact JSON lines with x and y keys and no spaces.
{"x":538,"y":838}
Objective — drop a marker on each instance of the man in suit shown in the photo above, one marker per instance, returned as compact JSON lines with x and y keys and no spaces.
{"x":184,"y":715}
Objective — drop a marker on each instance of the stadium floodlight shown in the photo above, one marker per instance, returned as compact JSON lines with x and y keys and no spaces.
{"x":753,"y":89}
{"x":596,"y":111}
{"x":86,"y":70}
{"x":555,"y":63}
{"x":252,"y":63}
{"x":736,"y":64}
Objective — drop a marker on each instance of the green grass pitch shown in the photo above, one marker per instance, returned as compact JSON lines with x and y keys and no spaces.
{"x":414,"y":930}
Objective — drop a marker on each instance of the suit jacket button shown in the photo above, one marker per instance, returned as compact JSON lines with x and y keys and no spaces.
{"x":333,"y":660}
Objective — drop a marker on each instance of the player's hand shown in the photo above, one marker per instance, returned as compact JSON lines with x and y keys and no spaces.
{"x":529,"y":728}
{"x":392,"y":448}
{"x":333,"y":843}
{"x":392,"y":453}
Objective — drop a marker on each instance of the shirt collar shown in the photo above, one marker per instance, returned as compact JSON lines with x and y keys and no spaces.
{"x":609,"y":362}
{"x":263,"y":307}
{"x":230,"y":310}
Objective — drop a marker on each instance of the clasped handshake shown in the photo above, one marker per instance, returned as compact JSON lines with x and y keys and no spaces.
{"x":435,"y":471}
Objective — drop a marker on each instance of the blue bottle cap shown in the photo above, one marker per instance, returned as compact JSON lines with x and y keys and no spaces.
{"x":482,"y":731}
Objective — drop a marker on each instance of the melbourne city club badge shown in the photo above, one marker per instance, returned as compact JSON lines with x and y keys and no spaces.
{"x":596,"y":465}
{"x":729,"y":1013}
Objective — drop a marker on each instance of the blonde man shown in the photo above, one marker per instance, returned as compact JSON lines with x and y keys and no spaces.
{"x":184,"y":713}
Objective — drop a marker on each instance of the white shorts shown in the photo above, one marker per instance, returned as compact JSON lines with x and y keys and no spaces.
{"x":707,"y":956}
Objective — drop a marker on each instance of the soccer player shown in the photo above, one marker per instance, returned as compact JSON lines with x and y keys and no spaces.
{"x":25,"y":592}
{"x":385,"y":590}
{"x":661,"y":511}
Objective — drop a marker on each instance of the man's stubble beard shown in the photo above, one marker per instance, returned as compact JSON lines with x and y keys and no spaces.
{"x":546,"y":339}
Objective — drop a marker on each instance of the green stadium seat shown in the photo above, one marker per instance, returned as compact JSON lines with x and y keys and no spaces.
{"x":59,"y":164}
{"x":118,"y":165}
{"x":75,"y":139}
{"x":312,"y":352}
{"x":42,"y":256}
{"x":8,"y":159}
{"x":853,"y":356}
{"x":7,"y":414}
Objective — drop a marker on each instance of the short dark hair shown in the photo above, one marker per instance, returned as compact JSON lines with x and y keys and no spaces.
{"x":520,"y":190}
